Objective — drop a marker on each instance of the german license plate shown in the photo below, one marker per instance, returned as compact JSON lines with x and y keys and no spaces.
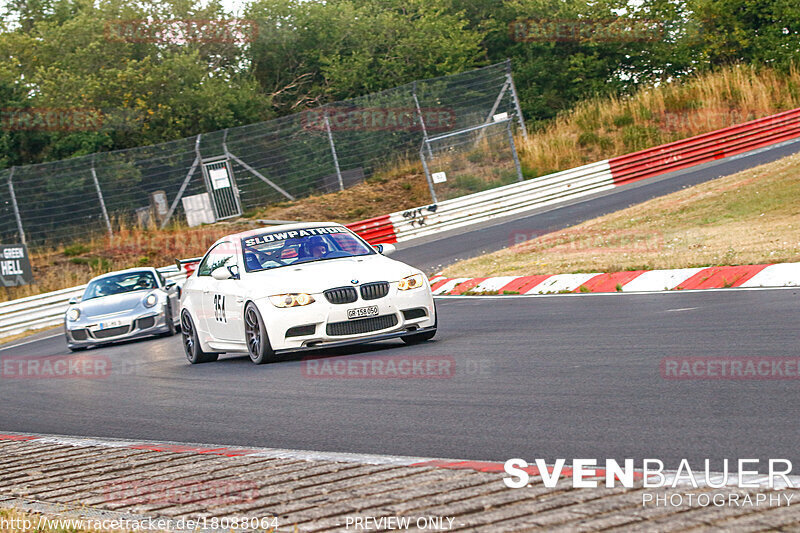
{"x":109,"y":324}
{"x":361,"y":312}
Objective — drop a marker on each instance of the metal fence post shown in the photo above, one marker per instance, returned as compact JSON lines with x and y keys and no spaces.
{"x":427,"y":172}
{"x":497,"y":102}
{"x":421,"y":120}
{"x":514,"y":151}
{"x":197,"y":161}
{"x":251,"y":170}
{"x":16,"y":206}
{"x":516,"y":100}
{"x":100,"y":197}
{"x":333,"y":151}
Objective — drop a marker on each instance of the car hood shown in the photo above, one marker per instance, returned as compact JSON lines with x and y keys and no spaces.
{"x":313,"y":278}
{"x":115,"y":303}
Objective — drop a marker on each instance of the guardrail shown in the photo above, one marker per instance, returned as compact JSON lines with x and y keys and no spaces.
{"x":502,"y":201}
{"x":45,"y":310}
{"x":706,"y":147}
{"x":577,"y":182}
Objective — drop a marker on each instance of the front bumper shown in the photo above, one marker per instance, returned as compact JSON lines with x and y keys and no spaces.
{"x":361,"y":340}
{"x":323,"y":324}
{"x":88,"y":332}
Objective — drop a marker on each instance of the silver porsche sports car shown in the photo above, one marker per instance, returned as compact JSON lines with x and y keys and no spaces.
{"x":122,"y":305}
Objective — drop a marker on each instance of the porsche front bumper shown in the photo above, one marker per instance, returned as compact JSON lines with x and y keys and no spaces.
{"x":131,"y":325}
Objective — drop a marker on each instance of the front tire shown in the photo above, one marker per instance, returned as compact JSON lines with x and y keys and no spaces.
{"x":422,"y":337}
{"x":255,"y":333}
{"x":170,"y":323}
{"x":419,"y":337}
{"x":191,"y":343}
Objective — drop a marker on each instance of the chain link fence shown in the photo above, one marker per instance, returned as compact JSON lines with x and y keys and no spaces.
{"x":471,"y":160}
{"x":224,"y":173}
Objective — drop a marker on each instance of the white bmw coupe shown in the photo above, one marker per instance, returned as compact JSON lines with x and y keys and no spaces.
{"x":299,"y":287}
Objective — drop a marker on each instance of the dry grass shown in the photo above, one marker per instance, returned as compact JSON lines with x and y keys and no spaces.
{"x":601,"y":128}
{"x":748,"y":218}
{"x":401,"y":187}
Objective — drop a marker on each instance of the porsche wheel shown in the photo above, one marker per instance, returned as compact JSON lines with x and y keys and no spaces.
{"x":191,"y":344}
{"x":255,"y":333}
{"x":170,"y":323}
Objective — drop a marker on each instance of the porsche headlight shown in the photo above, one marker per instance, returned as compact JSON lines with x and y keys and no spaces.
{"x":411,"y":282}
{"x":151,"y":300}
{"x":291,"y":300}
{"x":73,"y":314}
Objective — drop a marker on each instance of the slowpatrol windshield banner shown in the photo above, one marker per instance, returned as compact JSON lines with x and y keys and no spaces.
{"x":293,"y":234}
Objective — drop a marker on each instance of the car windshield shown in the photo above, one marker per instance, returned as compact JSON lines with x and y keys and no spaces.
{"x":283,"y":248}
{"x":128,"y":282}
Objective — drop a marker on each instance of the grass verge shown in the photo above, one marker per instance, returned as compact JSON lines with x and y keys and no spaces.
{"x":752,"y":217}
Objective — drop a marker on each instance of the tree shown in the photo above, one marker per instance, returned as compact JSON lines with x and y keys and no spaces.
{"x":746,"y":31}
{"x":145,"y":92}
{"x":311,"y":52}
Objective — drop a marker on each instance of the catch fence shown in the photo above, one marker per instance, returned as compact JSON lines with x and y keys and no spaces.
{"x":222,"y":174}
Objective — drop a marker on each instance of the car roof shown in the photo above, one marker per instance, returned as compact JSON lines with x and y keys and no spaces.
{"x":149,"y":270}
{"x":282,"y":227}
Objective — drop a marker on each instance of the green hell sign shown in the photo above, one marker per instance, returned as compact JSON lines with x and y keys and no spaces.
{"x":15,"y":266}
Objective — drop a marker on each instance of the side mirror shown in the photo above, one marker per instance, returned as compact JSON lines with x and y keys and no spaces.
{"x":74,"y":300}
{"x":229,"y":272}
{"x":385,"y":249}
{"x":221,"y":273}
{"x":169,"y":285}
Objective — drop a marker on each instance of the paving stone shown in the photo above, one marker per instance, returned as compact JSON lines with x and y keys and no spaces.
{"x":319,"y":495}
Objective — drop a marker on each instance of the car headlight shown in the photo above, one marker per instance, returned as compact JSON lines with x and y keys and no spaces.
{"x":73,"y":314}
{"x":411,"y":282}
{"x":291,"y":300}
{"x":151,"y":300}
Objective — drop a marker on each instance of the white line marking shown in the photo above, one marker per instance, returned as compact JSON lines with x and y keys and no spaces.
{"x":30,"y":341}
{"x":681,"y":309}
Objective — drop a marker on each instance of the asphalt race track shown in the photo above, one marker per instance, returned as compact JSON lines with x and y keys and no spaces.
{"x":534,"y":377}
